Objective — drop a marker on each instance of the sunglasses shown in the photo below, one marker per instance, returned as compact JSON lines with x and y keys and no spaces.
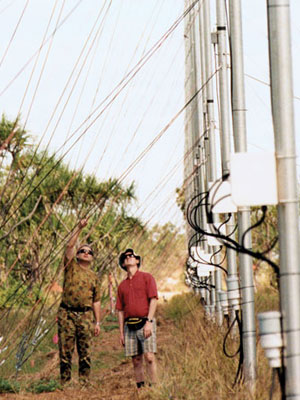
{"x":129,"y":256}
{"x":85,"y":252}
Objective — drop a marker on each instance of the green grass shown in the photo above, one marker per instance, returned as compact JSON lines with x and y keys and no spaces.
{"x":44,"y":386}
{"x":111,"y":318}
{"x":180,"y":306}
{"x":108,"y":328}
{"x":107,"y":359}
{"x":9,"y":386}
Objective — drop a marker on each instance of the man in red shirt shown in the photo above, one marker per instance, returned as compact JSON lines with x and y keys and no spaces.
{"x":136,"y":305}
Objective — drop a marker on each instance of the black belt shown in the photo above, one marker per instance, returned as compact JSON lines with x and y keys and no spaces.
{"x":75,"y":309}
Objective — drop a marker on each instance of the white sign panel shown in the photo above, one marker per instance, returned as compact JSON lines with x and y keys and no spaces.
{"x":253,"y":179}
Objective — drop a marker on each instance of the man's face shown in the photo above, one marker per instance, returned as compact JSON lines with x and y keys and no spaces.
{"x":130,"y":260}
{"x":85,"y":254}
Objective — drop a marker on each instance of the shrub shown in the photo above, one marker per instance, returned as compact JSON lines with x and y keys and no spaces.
{"x":44,"y":386}
{"x":9,"y":386}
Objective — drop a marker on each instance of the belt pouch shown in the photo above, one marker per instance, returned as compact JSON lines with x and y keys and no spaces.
{"x":135,"y":323}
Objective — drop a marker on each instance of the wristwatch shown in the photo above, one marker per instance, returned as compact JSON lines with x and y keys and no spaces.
{"x":97,"y":323}
{"x":149,"y":320}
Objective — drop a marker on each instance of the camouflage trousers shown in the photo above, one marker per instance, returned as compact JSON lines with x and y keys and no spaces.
{"x":74,"y":327}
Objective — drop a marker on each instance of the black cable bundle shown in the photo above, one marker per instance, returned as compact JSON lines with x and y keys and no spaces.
{"x":194,"y":209}
{"x":239,"y":373}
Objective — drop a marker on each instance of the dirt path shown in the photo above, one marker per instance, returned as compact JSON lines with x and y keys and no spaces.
{"x":111,"y":377}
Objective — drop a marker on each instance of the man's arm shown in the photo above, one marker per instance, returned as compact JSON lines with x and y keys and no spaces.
{"x":121,"y":326}
{"x":97,"y":310}
{"x":149,"y":326}
{"x":152,"y":308}
{"x":71,"y":246}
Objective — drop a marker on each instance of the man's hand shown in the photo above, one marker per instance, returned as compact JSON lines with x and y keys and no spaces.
{"x":122,"y":339}
{"x":71,"y":246}
{"x":148,"y":329}
{"x":83,"y":222}
{"x":97,"y":330}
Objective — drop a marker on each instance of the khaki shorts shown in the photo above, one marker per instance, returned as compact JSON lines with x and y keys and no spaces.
{"x":136,"y":344}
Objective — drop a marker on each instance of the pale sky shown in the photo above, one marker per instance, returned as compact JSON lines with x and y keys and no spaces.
{"x":94,"y":47}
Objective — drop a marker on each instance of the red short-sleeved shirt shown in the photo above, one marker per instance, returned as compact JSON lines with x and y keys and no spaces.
{"x":134,"y":294}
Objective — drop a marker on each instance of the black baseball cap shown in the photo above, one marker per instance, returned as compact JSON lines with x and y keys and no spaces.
{"x":125,"y":253}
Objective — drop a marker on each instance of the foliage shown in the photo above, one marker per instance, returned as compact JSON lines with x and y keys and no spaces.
{"x":180,"y":199}
{"x":13,"y":291}
{"x":41,"y":202}
{"x":7,"y":386}
{"x":13,"y":139}
{"x":266,"y":233}
{"x":44,"y":386}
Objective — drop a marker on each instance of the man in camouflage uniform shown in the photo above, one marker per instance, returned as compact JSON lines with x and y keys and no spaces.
{"x":80,"y":303}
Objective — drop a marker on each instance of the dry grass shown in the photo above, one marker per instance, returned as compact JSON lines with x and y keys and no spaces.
{"x":193,"y":365}
{"x":191,"y":362}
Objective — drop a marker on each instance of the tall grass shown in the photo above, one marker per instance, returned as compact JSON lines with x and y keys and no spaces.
{"x":193,"y":366}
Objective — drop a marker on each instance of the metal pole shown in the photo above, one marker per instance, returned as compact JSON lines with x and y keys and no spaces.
{"x":188,"y":162}
{"x":198,"y":123}
{"x":244,"y":220}
{"x":199,"y":162}
{"x":194,"y":107}
{"x":223,"y":88}
{"x":288,"y":211}
{"x":205,"y":146}
{"x":225,"y":129}
{"x":210,"y":133}
{"x":195,"y":165}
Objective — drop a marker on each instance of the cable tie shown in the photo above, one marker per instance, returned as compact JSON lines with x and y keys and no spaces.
{"x":292,"y":356}
{"x":281,"y":201}
{"x":285,"y":156}
{"x":246,"y":287}
{"x":221,"y":28}
{"x":289,"y":273}
{"x":278,"y":6}
{"x":291,"y":330}
{"x":247,"y":302}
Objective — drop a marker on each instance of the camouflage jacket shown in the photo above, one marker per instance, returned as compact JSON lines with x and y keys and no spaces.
{"x":81,"y":286}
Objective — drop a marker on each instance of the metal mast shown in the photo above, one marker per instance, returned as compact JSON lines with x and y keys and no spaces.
{"x":244,"y":221}
{"x":288,"y":207}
